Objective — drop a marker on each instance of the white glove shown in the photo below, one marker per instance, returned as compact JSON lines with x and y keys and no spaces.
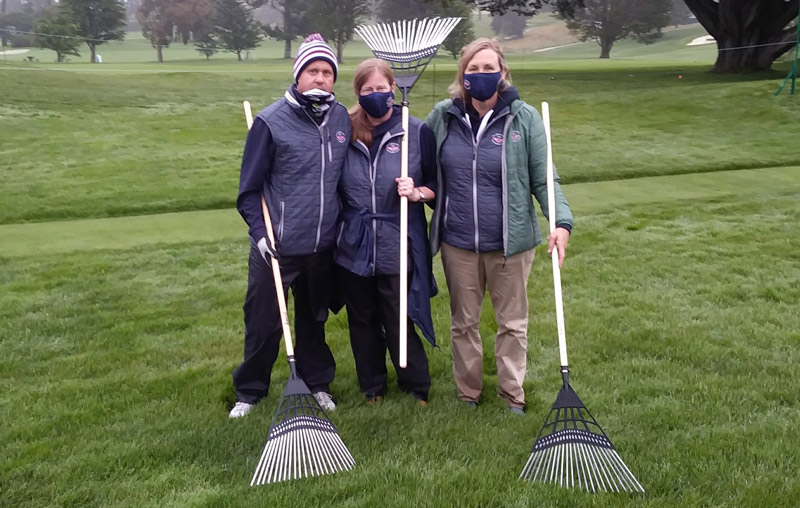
{"x":266,"y":250}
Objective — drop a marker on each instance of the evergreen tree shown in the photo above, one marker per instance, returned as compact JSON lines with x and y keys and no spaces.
{"x":393,"y":10}
{"x":163,"y":20}
{"x":509,"y":24}
{"x":98,"y":21}
{"x":607,"y":21}
{"x":295,"y":23}
{"x":207,"y":45}
{"x":58,"y":32}
{"x":336,"y":20}
{"x":234,"y":26}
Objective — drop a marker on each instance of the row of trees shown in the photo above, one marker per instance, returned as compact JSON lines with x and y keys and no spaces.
{"x":750,"y":35}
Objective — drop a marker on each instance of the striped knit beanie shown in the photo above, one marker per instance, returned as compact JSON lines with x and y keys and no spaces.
{"x":314,"y":48}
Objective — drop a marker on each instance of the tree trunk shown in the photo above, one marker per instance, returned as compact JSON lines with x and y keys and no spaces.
{"x":750,"y":35}
{"x":736,"y":53}
{"x":605,"y":47}
{"x":287,"y":49}
{"x":93,"y":52}
{"x":239,"y":55}
{"x":59,"y":57}
{"x":339,"y":48}
{"x":160,"y":54}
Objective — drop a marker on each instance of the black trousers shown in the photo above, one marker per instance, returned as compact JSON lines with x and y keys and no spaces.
{"x":310,"y":278}
{"x":373,"y":314}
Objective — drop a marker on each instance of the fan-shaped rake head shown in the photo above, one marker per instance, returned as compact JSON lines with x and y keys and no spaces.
{"x":408,"y":45}
{"x":572,"y":450}
{"x":302,"y":441}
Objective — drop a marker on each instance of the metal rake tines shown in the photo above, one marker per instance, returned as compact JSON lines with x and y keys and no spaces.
{"x":578,"y":454}
{"x":301,"y":446}
{"x":578,"y":464}
{"x":407,"y":40}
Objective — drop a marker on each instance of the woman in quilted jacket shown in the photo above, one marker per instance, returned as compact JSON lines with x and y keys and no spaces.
{"x":368,"y":241}
{"x":492,"y":155}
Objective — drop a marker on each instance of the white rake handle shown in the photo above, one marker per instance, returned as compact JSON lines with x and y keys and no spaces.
{"x":551,"y":207}
{"x":276,"y":270}
{"x":403,"y":361}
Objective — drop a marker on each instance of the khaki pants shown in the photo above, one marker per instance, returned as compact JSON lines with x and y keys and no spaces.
{"x":468,"y":274}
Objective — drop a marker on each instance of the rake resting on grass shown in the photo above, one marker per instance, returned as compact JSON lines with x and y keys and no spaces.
{"x":572,"y":450}
{"x":302,"y":441}
{"x":408,"y":46}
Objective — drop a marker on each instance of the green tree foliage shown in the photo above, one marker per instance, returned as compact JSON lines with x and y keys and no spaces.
{"x":13,"y":27}
{"x":607,"y":21}
{"x":680,"y":14}
{"x":207,"y":46}
{"x":393,"y":10}
{"x":760,"y":31}
{"x":99,"y":21}
{"x":234,"y":26}
{"x":58,"y":32}
{"x":337,"y":19}
{"x":295,"y":23}
{"x":163,"y":20}
{"x":526,"y":7}
{"x":509,"y":24}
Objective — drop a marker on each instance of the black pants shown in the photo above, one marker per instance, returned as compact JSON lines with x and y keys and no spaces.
{"x":373,"y":314}
{"x":310,"y":278}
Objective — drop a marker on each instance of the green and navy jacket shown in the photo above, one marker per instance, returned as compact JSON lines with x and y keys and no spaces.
{"x":522,"y":150}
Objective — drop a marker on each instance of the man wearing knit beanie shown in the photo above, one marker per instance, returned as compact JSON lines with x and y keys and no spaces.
{"x":314,"y":49}
{"x":294,"y":155}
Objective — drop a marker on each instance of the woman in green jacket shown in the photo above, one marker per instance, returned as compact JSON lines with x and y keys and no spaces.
{"x":492,"y":157}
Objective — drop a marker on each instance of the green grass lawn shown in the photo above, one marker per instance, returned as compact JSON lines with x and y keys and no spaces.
{"x":119,"y":328}
{"x":116,"y":374}
{"x":100,"y":144}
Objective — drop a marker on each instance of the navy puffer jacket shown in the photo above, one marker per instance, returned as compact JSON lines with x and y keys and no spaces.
{"x":297,"y":164}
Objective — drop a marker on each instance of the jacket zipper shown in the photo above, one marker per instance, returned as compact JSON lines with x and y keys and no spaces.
{"x":475,"y":142}
{"x":321,"y":129}
{"x":280,"y":224}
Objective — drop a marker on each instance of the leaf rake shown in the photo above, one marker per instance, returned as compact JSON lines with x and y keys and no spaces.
{"x":302,"y":441}
{"x":571,"y":449}
{"x":408,"y":46}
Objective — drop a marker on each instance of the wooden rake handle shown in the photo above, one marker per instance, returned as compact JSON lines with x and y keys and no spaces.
{"x":276,"y":269}
{"x":403,"y":329}
{"x":551,"y":212}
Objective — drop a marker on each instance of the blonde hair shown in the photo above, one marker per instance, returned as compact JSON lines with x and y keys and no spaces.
{"x":468,"y":52}
{"x":362,"y":129}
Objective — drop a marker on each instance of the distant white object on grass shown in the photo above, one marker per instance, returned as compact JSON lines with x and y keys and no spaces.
{"x":13,"y":51}
{"x":98,"y":58}
{"x":700,"y":41}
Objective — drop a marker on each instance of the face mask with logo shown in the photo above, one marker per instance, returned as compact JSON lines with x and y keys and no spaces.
{"x":377,"y":104}
{"x":481,"y":85}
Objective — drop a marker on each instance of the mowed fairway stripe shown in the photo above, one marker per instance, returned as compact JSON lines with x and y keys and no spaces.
{"x":213,"y":225}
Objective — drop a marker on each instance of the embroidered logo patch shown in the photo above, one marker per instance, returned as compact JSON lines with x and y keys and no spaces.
{"x":467,"y":85}
{"x":340,"y":137}
{"x":390,"y":101}
{"x":497,"y":139}
{"x":392,"y":148}
{"x":515,"y":136}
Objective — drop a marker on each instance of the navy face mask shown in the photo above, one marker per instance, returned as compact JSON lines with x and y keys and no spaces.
{"x":377,"y":104}
{"x":481,"y":85}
